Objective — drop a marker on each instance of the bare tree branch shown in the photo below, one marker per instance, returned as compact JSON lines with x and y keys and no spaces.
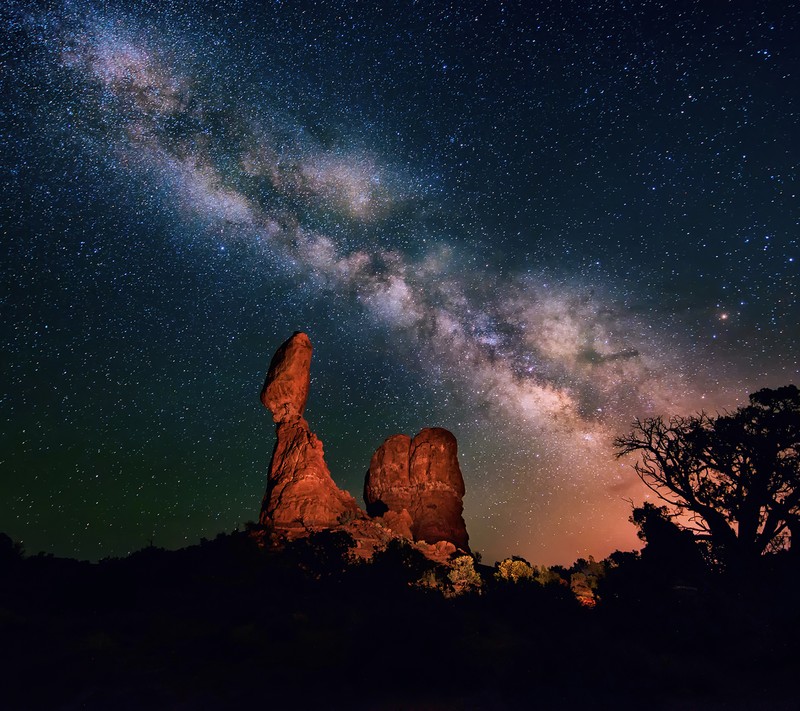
{"x":736,"y":475}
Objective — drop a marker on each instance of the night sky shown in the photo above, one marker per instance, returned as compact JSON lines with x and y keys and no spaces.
{"x":527,"y":222}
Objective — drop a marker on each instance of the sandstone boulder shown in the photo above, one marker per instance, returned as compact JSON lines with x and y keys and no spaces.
{"x":285,"y":390}
{"x":421,"y":477}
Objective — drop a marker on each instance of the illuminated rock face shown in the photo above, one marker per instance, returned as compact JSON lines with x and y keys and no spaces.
{"x":301,"y":495}
{"x":419,"y":477}
{"x":413,"y":488}
{"x":285,"y":390}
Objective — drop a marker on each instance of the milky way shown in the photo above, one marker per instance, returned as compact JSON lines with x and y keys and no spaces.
{"x":534,"y":343}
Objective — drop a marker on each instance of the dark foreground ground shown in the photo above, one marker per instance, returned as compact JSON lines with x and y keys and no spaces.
{"x":226,"y":625}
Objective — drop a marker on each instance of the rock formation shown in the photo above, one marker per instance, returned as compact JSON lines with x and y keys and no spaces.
{"x":413,"y":488}
{"x":417,"y":485}
{"x":301,"y":495}
{"x":285,"y":390}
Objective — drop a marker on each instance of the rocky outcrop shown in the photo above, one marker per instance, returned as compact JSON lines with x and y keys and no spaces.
{"x":419,"y":480}
{"x":413,"y":489}
{"x":301,"y":496}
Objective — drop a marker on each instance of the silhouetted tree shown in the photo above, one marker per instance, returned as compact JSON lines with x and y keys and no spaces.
{"x":671,"y":550}
{"x":734,"y":479}
{"x":324,"y":554}
{"x":399,"y":565}
{"x":10,"y":550}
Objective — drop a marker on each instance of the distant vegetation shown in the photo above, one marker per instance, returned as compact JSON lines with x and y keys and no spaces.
{"x":227,"y":624}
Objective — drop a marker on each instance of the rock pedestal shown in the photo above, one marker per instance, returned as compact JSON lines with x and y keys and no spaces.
{"x":301,"y":495}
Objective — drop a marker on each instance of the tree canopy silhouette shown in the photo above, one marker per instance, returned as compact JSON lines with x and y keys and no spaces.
{"x":734,"y":479}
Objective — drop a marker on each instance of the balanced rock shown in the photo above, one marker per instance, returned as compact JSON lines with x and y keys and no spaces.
{"x":419,"y":479}
{"x":301,"y":496}
{"x":413,"y":489}
{"x":285,"y":390}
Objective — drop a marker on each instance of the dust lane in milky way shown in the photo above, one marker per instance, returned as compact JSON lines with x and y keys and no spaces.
{"x":514,"y":346}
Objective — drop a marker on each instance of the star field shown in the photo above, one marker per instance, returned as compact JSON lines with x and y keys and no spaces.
{"x":528,"y":223}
